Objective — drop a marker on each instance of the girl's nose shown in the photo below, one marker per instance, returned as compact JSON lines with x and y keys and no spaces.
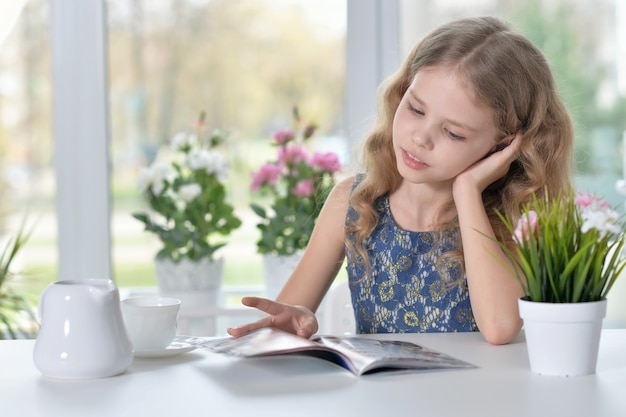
{"x":422,"y":136}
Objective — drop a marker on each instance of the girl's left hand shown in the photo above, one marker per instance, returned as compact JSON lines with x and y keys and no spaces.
{"x":490,"y":169}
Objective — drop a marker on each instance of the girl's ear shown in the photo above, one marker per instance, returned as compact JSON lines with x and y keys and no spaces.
{"x":502,"y":144}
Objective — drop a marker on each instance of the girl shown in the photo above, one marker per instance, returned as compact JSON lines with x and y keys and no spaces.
{"x":471,"y":125}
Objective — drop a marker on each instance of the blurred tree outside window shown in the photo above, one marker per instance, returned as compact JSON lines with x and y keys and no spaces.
{"x":27,"y":184}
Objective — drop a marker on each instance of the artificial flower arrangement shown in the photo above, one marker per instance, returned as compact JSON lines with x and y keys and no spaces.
{"x":298,"y":184}
{"x":188,"y":197}
{"x":568,"y":250}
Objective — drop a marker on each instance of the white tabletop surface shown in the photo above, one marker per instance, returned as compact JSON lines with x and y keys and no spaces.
{"x":200,"y":383}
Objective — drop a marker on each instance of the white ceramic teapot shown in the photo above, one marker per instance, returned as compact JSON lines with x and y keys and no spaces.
{"x":82,"y":331}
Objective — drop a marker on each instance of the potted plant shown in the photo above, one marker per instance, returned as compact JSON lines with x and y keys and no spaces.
{"x":190,"y":214}
{"x":297,"y":184}
{"x":567,"y":256}
{"x":17,"y":317}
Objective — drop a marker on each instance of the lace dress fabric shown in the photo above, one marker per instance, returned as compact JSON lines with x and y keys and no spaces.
{"x":404,"y":292}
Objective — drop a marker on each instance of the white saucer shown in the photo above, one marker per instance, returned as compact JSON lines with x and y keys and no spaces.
{"x":177,"y":347}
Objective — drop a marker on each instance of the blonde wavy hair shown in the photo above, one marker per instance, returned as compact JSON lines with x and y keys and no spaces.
{"x":512,"y":77}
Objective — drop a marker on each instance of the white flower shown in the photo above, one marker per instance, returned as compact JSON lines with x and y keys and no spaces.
{"x":153,"y":176}
{"x":602,"y":218}
{"x":189,"y":192}
{"x":198,"y":159}
{"x":183,"y":141}
{"x":597,"y":214}
{"x":211,"y":161}
{"x":221,"y":167}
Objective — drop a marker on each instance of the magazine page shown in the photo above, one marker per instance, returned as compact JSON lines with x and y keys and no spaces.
{"x":271,"y":342}
{"x":260,"y":342}
{"x":369,"y":355}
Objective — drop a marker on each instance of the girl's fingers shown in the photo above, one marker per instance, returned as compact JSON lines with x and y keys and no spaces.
{"x":247,"y":328}
{"x":307,"y":329}
{"x":307,"y":324}
{"x":514,"y":147}
{"x":265,"y":305}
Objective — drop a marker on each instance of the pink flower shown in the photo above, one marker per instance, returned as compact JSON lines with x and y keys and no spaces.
{"x":267,"y":174}
{"x":589,"y":200}
{"x":597,"y":214}
{"x":584,"y":200}
{"x":328,"y":161}
{"x":284,"y":136}
{"x":303,"y":189}
{"x":291,"y":154}
{"x":526,"y":225}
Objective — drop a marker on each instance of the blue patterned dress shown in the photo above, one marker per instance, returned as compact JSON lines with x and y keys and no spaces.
{"x":405,"y":292}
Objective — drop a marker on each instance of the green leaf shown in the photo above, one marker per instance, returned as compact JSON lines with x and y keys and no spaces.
{"x":260,"y":211}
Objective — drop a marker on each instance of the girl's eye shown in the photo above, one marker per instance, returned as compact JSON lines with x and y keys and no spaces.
{"x":454,"y":136}
{"x":414,"y":110}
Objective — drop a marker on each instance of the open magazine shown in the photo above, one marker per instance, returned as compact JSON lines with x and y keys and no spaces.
{"x":359,"y":355}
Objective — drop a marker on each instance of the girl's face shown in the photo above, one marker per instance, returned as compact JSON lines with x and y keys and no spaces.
{"x":440,"y":128}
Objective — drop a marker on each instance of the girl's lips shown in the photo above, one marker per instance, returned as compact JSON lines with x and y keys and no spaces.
{"x":413,"y":162}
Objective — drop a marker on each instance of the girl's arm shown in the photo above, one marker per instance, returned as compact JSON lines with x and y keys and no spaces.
{"x":294,"y":307}
{"x":493,"y":289}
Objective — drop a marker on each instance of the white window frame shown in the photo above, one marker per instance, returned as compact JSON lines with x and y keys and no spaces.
{"x":81,"y":138}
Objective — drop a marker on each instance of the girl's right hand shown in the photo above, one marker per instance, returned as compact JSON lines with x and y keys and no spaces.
{"x":489,"y":169}
{"x":298,"y":320}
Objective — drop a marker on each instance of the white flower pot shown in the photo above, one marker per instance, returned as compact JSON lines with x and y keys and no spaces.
{"x":197,"y":284}
{"x":562,"y":338}
{"x":276,"y":270}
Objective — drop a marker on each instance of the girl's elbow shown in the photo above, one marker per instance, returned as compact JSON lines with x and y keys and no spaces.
{"x":501,"y":334}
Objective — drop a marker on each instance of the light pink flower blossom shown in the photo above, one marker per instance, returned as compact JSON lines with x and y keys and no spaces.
{"x":267,"y":174}
{"x":597,"y":214}
{"x":284,"y":136}
{"x":291,"y":154}
{"x":328,"y":161}
{"x":303,"y":189}
{"x":590,"y":200}
{"x":584,"y":199}
{"x":526,"y":226}
{"x":199,"y":124}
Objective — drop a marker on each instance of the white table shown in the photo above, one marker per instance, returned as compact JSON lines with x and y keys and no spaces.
{"x":200,"y":383}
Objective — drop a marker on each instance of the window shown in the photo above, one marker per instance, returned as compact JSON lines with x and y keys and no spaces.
{"x":246,"y":64}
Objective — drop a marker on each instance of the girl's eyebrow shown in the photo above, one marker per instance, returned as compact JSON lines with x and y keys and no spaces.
{"x":451,"y":121}
{"x":415,"y":97}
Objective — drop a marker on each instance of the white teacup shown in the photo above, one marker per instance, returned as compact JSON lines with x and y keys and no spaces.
{"x":151,"y":321}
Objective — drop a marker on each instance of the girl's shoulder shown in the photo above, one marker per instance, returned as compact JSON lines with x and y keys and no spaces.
{"x":340,"y":195}
{"x":345,"y":187}
{"x":349,"y":184}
